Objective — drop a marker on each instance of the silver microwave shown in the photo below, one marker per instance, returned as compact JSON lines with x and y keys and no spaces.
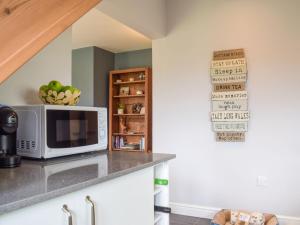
{"x":47,"y":131}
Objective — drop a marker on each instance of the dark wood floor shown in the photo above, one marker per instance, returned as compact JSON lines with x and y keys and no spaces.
{"x":187,"y":220}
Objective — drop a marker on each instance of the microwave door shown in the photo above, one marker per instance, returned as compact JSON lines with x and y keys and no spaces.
{"x":68,"y":128}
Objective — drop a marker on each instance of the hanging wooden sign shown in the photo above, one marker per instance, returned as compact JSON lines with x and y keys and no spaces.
{"x":230,"y":126}
{"x":230,"y":113}
{"x":228,"y":79}
{"x":236,"y":70}
{"x":231,"y":95}
{"x":230,"y":136}
{"x":229,"y":116}
{"x":233,"y":105}
{"x":228,"y":63}
{"x":228,"y":54}
{"x":240,"y":86}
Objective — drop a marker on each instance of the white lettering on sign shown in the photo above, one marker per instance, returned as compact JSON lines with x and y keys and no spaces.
{"x":228,"y":78}
{"x":230,"y":126}
{"x":229,"y":116}
{"x":228,"y":70}
{"x":228,"y":63}
{"x":233,"y":105}
{"x":230,"y":95}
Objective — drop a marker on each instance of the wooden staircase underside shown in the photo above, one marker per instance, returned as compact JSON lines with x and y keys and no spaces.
{"x":27,"y":26}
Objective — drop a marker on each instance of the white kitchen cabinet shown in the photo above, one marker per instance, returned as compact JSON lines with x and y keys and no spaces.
{"x":126,"y":200}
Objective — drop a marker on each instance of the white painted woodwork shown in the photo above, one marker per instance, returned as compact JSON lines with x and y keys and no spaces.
{"x":230,"y":105}
{"x":228,"y":63}
{"x":162,"y":198}
{"x":127,"y":200}
{"x":230,"y":95}
{"x":236,"y":70}
{"x":229,"y":116}
{"x":230,"y":126}
{"x":228,"y":78}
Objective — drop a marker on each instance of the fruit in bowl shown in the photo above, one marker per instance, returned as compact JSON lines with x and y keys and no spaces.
{"x":56,"y":94}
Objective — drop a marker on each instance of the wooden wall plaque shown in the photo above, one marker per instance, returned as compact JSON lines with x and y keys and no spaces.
{"x":238,"y":86}
{"x":231,"y":95}
{"x":228,"y":79}
{"x":229,"y":116}
{"x":230,"y":126}
{"x":230,"y":136}
{"x":228,"y":70}
{"x":228,"y":63}
{"x":229,"y":54}
{"x":233,"y":105}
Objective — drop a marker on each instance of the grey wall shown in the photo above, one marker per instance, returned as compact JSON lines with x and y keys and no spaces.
{"x":83,"y":74}
{"x":52,"y":63}
{"x":139,"y":58}
{"x":90,"y":73}
{"x":103,"y":63}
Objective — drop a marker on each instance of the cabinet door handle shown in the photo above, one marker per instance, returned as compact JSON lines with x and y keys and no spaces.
{"x":68,"y":213}
{"x":90,"y":202}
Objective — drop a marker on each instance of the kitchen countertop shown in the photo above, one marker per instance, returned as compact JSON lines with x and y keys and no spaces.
{"x":37,"y":181}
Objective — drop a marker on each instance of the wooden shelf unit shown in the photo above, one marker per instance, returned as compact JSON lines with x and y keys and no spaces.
{"x":141,"y":124}
{"x":128,"y":96}
{"x":126,"y":134}
{"x":125,"y":150}
{"x":129,"y":114}
{"x":130,"y":82}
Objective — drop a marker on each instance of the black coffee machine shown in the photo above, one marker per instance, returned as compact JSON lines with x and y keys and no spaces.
{"x":8,"y":136}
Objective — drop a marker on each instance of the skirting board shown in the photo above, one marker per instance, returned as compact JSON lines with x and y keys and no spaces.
{"x":209,"y":212}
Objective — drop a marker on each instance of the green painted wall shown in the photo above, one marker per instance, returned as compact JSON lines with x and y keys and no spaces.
{"x":90,"y":73}
{"x":103,"y":63}
{"x":83,"y":74}
{"x":139,"y":58}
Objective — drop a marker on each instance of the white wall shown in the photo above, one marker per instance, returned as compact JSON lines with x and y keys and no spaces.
{"x":52,"y":63}
{"x":223,"y":175}
{"x":144,"y":16}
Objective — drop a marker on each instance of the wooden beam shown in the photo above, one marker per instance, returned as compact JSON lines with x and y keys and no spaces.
{"x":27,"y":26}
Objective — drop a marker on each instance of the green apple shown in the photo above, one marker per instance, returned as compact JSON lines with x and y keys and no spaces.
{"x":65,"y":88}
{"x":44,"y":88}
{"x":76,"y":93}
{"x":55,"y":85}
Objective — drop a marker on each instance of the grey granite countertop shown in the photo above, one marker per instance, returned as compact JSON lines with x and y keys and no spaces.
{"x":36,"y":181}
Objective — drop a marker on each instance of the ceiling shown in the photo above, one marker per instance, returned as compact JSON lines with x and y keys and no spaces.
{"x":97,"y":29}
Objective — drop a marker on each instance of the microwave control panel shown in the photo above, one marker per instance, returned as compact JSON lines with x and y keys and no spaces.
{"x":102,"y":119}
